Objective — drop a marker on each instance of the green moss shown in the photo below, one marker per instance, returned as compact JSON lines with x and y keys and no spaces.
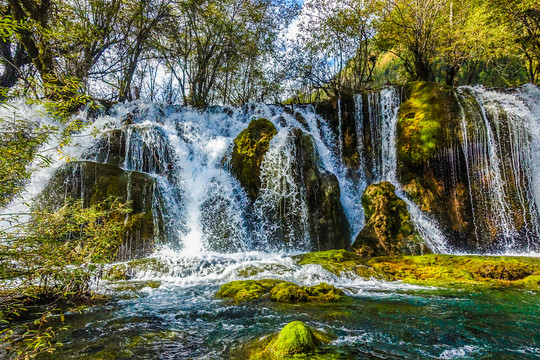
{"x":338,"y":262}
{"x":243,"y":290}
{"x":435,"y":269}
{"x":290,"y":292}
{"x":421,"y":121}
{"x":278,"y":290}
{"x":250,"y":146}
{"x":253,"y":270}
{"x":296,"y":340}
{"x":388,"y":227}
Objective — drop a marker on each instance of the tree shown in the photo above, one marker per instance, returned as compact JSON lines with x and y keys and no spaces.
{"x":469,"y":36}
{"x":522,"y":18}
{"x":208,"y":43}
{"x":409,"y":29}
{"x":336,"y":45}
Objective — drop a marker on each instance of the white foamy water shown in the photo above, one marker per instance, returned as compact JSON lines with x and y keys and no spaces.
{"x":187,"y":151}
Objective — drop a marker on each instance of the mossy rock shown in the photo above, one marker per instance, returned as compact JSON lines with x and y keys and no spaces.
{"x":388,"y":227}
{"x":340,"y":263}
{"x":328,"y":224}
{"x":422,"y":121}
{"x":290,"y":292}
{"x":279,"y":291}
{"x":250,"y":146}
{"x":434,"y":269}
{"x":295,"y":340}
{"x":244,"y":290}
{"x":93,"y":183}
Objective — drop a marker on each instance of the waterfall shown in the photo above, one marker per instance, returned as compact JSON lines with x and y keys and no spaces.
{"x":381,"y":119}
{"x":500,"y":137}
{"x":205,"y":209}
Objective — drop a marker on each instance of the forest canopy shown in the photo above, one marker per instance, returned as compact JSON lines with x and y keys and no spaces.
{"x":202,"y":52}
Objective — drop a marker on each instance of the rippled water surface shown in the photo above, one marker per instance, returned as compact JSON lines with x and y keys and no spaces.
{"x":182,"y":320}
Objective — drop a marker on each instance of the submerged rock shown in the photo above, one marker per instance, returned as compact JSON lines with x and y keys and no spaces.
{"x":295,"y":340}
{"x":93,"y":183}
{"x":279,"y":290}
{"x":250,"y":146}
{"x":389,"y":229}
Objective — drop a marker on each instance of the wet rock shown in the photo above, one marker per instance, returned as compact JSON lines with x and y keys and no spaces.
{"x":433,"y":269}
{"x":245,"y":290}
{"x":93,"y":183}
{"x":331,"y":110}
{"x":443,"y":165}
{"x":279,"y":291}
{"x":295,"y":340}
{"x":250,"y":146}
{"x":388,"y":227}
{"x":143,"y":149}
{"x":328,"y":224}
{"x":431,"y":164}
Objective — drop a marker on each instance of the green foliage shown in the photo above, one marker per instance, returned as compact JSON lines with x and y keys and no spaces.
{"x":19,"y":141}
{"x":50,"y":261}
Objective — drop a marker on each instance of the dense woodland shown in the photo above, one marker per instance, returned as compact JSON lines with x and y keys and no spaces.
{"x":65,"y":55}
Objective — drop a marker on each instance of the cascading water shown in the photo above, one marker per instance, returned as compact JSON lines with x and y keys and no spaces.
{"x":382,"y":114}
{"x":499,"y":132}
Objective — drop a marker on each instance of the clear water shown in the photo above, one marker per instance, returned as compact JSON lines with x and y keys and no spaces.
{"x":380,"y":320}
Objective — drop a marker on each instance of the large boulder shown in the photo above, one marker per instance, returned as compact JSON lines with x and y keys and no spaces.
{"x":93,"y":183}
{"x":250,"y":146}
{"x":328,"y":224}
{"x":295,"y":338}
{"x":388,"y":227}
{"x":135,"y":147}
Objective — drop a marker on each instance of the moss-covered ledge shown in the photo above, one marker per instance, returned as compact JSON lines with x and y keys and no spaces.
{"x":278,"y":290}
{"x":434,"y":269}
